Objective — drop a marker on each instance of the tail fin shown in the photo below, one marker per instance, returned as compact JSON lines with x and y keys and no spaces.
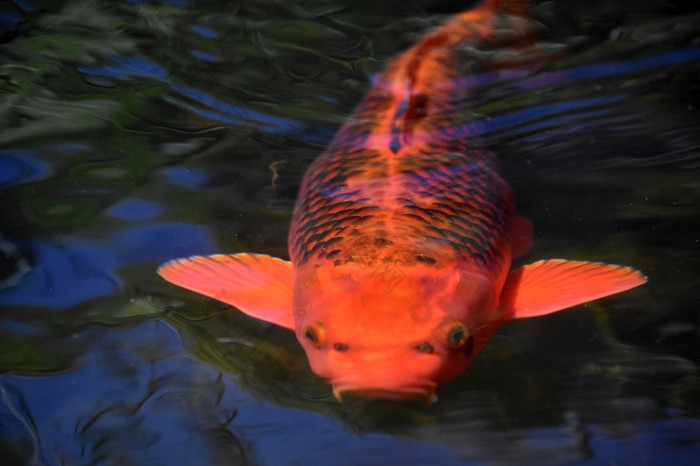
{"x":491,"y":25}
{"x":510,"y":7}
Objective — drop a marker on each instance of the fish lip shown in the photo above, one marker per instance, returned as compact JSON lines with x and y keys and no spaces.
{"x":426,"y":390}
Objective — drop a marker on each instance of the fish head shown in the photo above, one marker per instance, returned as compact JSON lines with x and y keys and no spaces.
{"x":396,"y":332}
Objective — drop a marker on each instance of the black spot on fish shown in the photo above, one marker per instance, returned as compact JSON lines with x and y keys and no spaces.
{"x":424,"y":347}
{"x":332,"y":254}
{"x":426,"y":259}
{"x":382,"y":242}
{"x":417,"y":107}
{"x":341,"y":347}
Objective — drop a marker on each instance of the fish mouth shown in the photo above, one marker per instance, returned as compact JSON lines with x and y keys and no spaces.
{"x":401,"y":393}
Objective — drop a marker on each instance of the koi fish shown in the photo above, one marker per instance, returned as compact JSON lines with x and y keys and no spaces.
{"x":403,"y":234}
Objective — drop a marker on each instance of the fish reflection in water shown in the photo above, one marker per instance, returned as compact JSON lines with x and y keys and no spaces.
{"x":404,"y":232}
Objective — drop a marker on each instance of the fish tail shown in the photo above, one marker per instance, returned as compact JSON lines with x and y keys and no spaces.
{"x":491,"y":24}
{"x":474,"y":40}
{"x":511,"y":7}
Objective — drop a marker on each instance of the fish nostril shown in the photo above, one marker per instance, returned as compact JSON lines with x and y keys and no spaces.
{"x":341,"y":347}
{"x":424,"y":347}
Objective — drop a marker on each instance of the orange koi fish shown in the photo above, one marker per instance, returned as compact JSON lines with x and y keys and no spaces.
{"x":403,"y":234}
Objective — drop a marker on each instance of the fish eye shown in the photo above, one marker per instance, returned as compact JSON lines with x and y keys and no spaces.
{"x":453,"y":333}
{"x":457,"y":335}
{"x":315,"y":334}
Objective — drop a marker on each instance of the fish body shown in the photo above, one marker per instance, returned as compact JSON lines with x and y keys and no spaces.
{"x":404,"y":232}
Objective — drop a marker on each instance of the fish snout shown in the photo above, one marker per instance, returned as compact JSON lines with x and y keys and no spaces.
{"x":384,"y":374}
{"x":407,"y":392}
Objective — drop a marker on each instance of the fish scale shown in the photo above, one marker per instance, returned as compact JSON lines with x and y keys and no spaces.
{"x":452,"y":206}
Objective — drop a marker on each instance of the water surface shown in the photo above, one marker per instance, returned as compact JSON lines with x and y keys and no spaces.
{"x":134,"y":132}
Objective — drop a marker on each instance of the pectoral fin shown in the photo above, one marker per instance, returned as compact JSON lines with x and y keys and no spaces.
{"x":548,"y":286}
{"x":257,"y":284}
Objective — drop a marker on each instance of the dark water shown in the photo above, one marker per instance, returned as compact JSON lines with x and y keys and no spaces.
{"x":135,"y":132}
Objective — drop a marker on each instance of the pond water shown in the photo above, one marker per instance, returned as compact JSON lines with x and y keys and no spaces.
{"x":134,"y":132}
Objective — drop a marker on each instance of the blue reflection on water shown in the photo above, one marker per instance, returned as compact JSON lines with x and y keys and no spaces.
{"x":673,"y":58}
{"x":26,"y":5}
{"x":9,"y":20}
{"x":135,"y":209}
{"x":204,"y":31}
{"x":668,"y":441}
{"x":18,"y":328}
{"x":160,"y":242}
{"x":206,"y":56}
{"x":63,"y":276}
{"x":125,"y":67}
{"x":232,"y":113}
{"x":137,"y":395}
{"x":185,"y":177}
{"x":160,"y":410}
{"x":552,"y":112}
{"x":169,"y":409}
{"x":21,"y":167}
{"x":66,"y":274}
{"x":537,"y":112}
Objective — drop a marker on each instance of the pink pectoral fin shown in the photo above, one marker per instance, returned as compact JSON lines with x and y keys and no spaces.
{"x":257,"y":284}
{"x":548,"y":286}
